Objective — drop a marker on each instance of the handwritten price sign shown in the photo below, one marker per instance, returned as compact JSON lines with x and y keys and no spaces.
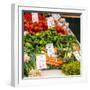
{"x":41,"y":62}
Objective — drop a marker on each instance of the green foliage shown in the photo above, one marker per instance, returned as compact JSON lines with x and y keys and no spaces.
{"x":71,"y":68}
{"x":40,"y":39}
{"x":33,"y":45}
{"x":30,"y":65}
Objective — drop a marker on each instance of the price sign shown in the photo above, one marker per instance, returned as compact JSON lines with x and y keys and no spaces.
{"x":56,"y":16}
{"x":50,"y":22}
{"x":50,"y":49}
{"x":77,"y":55}
{"x":35,"y":17}
{"x":41,"y":61}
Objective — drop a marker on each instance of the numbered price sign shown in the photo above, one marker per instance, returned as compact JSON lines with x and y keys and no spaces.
{"x":35,"y":17}
{"x":77,"y":55}
{"x":50,"y":22}
{"x":50,"y":49}
{"x":41,"y":62}
{"x":56,"y":16}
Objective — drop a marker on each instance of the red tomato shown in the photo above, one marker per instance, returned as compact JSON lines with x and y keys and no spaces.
{"x":57,"y":29}
{"x":31,"y":27}
{"x":28,"y":16}
{"x":39,"y":16}
{"x":45,"y":28}
{"x":26,"y":26}
{"x":31,"y":32}
{"x":36,"y":29}
{"x":40,"y":28}
{"x":40,"y":23}
{"x":44,"y":23}
{"x":43,"y":17}
{"x":60,"y":29}
{"x":25,"y":20}
{"x":30,"y":22}
{"x":35,"y":24}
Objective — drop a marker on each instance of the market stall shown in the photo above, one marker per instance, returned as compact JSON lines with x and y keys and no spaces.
{"x":49,"y":46}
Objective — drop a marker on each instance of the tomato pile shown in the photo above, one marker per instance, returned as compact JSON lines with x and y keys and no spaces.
{"x":41,"y":25}
{"x":33,"y":27}
{"x":61,"y":30}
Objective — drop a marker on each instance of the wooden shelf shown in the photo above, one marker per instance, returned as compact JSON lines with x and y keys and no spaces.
{"x":69,"y":16}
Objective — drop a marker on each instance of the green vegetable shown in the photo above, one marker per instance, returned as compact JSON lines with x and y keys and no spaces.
{"x":71,"y":68}
{"x":33,"y":45}
{"x":30,"y":65}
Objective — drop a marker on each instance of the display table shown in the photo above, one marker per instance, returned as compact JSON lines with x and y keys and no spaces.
{"x":52,"y":73}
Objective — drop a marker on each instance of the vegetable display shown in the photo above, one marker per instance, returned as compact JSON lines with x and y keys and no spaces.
{"x":37,"y":35}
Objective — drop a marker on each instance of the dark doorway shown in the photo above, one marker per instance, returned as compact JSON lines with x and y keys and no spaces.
{"x":75,"y":26}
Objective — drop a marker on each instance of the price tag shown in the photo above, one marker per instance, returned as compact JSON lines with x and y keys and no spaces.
{"x":56,"y":16}
{"x":35,"y":17}
{"x":50,"y":49}
{"x":50,"y":22}
{"x":77,"y":55}
{"x":41,"y":62}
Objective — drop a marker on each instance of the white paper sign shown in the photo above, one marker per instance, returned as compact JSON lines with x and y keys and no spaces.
{"x":50,"y":22}
{"x":77,"y":55}
{"x":50,"y":49}
{"x":41,"y":62}
{"x":56,"y":16}
{"x":35,"y":17}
